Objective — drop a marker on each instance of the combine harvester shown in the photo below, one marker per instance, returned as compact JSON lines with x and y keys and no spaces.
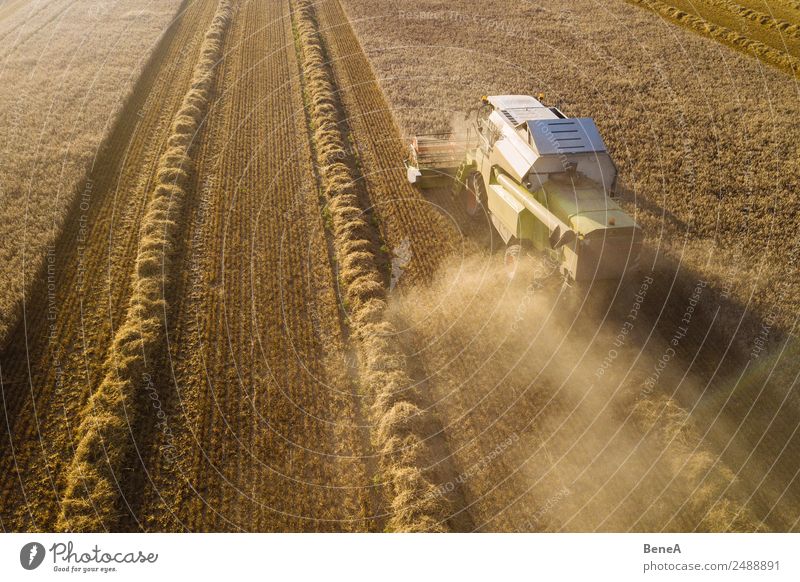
{"x":544,"y":180}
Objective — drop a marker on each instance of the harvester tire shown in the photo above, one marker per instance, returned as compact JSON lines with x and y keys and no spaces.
{"x":474,"y":195}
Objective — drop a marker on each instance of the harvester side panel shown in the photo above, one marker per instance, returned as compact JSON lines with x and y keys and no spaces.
{"x":506,"y":209}
{"x":541,"y":212}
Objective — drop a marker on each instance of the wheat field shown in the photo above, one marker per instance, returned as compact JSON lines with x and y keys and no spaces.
{"x":678,"y":139}
{"x":224,"y":308}
{"x":67,"y":68}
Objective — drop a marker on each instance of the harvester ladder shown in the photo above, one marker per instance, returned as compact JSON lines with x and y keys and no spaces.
{"x":460,"y":178}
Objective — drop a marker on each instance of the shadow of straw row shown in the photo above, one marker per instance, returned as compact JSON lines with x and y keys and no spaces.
{"x":724,"y":35}
{"x":399,"y":424}
{"x":92,"y":496}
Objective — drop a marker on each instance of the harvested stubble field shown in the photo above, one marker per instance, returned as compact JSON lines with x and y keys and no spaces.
{"x":211,"y":343}
{"x":54,"y":357}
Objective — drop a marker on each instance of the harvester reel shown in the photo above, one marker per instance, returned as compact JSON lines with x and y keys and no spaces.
{"x":474,"y":195}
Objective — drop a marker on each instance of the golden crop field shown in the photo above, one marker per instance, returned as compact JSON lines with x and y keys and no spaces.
{"x":66,"y":68}
{"x":223,"y":306}
{"x":767,"y":30}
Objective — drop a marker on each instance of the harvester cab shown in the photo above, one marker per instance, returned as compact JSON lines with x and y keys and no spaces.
{"x":545,"y":181}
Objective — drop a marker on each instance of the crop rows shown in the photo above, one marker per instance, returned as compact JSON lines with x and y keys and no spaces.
{"x":249,"y":419}
{"x":261,"y":430}
{"x":212,"y":346}
{"x":91,"y":498}
{"x":732,"y":38}
{"x":404,"y":216}
{"x":400,"y":425}
{"x":766,"y":20}
{"x":52,"y":364}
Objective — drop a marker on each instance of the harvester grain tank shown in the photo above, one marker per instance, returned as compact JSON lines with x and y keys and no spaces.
{"x":545,"y":181}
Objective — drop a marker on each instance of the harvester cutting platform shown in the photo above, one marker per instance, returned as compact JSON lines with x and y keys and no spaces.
{"x":544,"y":180}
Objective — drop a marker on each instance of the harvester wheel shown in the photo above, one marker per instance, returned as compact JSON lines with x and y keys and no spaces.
{"x":474,"y":195}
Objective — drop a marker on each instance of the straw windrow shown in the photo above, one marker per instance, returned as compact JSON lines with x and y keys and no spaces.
{"x":730,"y":37}
{"x":399,"y":425}
{"x":91,"y":499}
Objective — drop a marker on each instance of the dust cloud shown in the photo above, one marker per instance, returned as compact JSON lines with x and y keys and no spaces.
{"x":549,"y":405}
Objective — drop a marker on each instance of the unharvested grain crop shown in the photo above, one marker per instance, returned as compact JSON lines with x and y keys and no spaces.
{"x":705,"y":139}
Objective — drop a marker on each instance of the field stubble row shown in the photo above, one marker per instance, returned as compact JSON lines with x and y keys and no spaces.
{"x":260,"y":403}
{"x":93,"y":492}
{"x":401,"y":427}
{"x":52,"y":362}
{"x":776,"y":42}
